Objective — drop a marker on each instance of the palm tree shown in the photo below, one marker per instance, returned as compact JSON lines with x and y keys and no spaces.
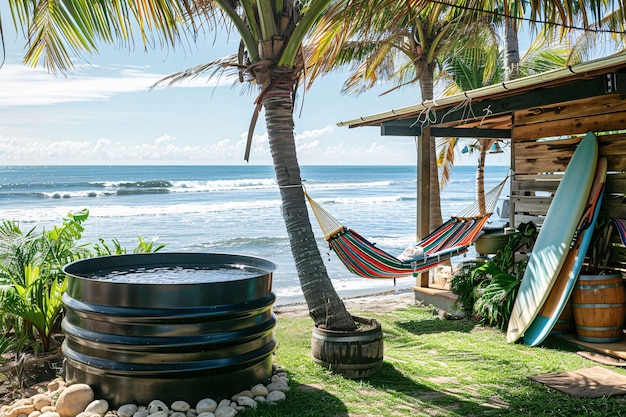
{"x":270,"y":57}
{"x":385,"y":41}
{"x":467,"y":69}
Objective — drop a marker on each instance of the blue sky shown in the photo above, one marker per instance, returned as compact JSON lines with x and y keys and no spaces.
{"x":105,"y":113}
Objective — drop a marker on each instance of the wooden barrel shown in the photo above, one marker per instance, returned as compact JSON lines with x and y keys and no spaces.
{"x":565,"y":322}
{"x":599,"y":304}
{"x":354,"y":354}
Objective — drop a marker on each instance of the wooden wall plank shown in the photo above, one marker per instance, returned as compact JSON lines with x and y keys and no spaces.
{"x":577,"y":125}
{"x":591,"y":106}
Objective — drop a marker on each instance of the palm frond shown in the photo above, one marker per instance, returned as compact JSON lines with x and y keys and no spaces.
{"x":227,"y":66}
{"x":445,"y":158}
{"x":60,"y":31}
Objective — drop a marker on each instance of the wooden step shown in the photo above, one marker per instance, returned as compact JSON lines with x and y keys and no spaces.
{"x":441,"y":298}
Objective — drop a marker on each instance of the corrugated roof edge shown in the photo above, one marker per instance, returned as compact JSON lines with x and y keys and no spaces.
{"x":525,"y":82}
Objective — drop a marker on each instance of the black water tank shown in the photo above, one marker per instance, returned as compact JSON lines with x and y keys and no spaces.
{"x":168,"y":326}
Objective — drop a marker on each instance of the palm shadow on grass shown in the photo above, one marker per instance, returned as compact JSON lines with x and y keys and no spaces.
{"x":435,"y":325}
{"x":422,"y":397}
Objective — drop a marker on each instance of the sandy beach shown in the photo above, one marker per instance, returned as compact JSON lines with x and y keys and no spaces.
{"x":380,"y":302}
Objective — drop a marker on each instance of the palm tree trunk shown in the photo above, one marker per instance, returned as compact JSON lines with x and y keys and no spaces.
{"x":427,"y":87}
{"x":480,"y":175}
{"x":511,"y":56}
{"x":325,"y":306}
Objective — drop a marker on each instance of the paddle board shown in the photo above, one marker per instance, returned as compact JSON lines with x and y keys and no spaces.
{"x":555,"y":237}
{"x":547,"y":317}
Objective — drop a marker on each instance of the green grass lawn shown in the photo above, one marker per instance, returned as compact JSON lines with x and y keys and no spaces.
{"x":434,"y":367}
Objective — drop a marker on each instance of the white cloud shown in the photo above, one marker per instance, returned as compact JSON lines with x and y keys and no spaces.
{"x":14,"y":151}
{"x":24,"y":86}
{"x":162,"y":140}
{"x":315,"y":133}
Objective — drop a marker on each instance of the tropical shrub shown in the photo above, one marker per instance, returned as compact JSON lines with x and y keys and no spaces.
{"x":31,"y":273}
{"x":487,"y":287}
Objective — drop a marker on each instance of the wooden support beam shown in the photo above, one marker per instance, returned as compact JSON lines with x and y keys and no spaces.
{"x":423,"y":193}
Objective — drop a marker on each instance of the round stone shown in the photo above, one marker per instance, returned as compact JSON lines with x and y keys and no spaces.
{"x":259,"y":390}
{"x":206,"y":405}
{"x":180,"y":406}
{"x":98,"y":407}
{"x":127,"y":410}
{"x":276,"y":396}
{"x":74,"y":399}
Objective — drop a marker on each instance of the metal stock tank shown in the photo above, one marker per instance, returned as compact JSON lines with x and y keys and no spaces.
{"x":168,"y":326}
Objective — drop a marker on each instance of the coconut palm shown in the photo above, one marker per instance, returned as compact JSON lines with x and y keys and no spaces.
{"x":467,"y":69}
{"x":607,"y":35}
{"x":385,"y":41}
{"x":270,"y":58}
{"x":557,"y":17}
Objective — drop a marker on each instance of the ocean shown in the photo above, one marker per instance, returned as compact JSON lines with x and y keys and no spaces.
{"x":234,"y":209}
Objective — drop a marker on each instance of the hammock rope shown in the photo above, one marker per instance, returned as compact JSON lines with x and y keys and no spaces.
{"x":366,"y":260}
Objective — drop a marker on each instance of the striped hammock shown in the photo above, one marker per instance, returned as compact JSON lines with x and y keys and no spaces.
{"x":364,"y":259}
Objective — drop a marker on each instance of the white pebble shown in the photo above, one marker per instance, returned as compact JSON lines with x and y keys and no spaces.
{"x":157,"y":405}
{"x":191,"y":412}
{"x":97,"y":407}
{"x":225,"y":412}
{"x":177,"y":414}
{"x":127,"y":410}
{"x":142,"y":413}
{"x":87,"y":414}
{"x":276,"y":396}
{"x":206,"y":414}
{"x":245,"y":393}
{"x":181,"y":406}
{"x":246,"y":402}
{"x":161,"y":413}
{"x":206,"y":405}
{"x":278,"y":386}
{"x":259,"y":390}
{"x":260,"y":399}
{"x":224,"y":403}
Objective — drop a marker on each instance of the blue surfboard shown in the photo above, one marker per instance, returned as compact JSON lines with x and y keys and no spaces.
{"x":557,"y":299}
{"x":555,"y":237}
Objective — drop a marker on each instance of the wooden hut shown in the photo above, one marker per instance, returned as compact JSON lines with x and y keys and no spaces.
{"x":544,"y":116}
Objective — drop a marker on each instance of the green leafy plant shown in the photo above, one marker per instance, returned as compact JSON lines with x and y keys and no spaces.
{"x":37,"y":301}
{"x":102,"y":248}
{"x":5,"y":344}
{"x":31,"y":270}
{"x":465,"y":284}
{"x":487,"y":288}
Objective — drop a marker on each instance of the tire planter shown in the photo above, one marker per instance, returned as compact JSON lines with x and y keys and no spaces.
{"x":353,"y":354}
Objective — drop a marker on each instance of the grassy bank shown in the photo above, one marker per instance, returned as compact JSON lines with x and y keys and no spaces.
{"x":434,"y":367}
